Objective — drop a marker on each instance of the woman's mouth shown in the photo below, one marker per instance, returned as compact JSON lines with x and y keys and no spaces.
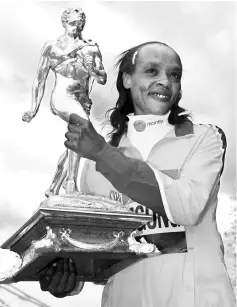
{"x":160,"y":97}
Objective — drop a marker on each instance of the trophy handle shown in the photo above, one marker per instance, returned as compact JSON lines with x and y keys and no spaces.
{"x":65,"y":236}
{"x":143,"y":247}
{"x":48,"y":244}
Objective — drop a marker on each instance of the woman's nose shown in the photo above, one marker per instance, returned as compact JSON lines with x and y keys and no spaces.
{"x":163,"y":81}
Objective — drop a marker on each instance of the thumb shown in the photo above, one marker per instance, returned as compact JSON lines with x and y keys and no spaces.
{"x":76,"y":119}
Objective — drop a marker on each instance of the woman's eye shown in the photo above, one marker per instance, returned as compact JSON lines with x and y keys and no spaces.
{"x":175,"y":75}
{"x":151,"y":71}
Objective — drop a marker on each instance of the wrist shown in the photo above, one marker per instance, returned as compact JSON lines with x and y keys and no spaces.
{"x":101,"y":147}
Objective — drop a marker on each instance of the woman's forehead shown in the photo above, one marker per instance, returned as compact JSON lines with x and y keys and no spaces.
{"x":158,"y":53}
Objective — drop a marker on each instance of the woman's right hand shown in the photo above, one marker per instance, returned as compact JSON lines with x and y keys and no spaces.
{"x":60,"y":278}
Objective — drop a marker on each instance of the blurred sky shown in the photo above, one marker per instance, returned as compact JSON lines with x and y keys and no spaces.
{"x":202,"y":33}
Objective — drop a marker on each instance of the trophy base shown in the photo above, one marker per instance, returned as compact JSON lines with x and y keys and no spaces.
{"x":97,"y":233}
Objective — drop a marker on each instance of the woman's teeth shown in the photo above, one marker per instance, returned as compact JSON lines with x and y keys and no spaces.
{"x":160,"y":96}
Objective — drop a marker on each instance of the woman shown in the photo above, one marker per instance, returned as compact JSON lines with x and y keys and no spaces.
{"x":159,"y":159}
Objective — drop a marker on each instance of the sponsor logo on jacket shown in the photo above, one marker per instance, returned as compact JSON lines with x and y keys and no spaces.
{"x":140,"y":125}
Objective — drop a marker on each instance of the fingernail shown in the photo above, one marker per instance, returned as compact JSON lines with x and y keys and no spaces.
{"x":54,"y":264}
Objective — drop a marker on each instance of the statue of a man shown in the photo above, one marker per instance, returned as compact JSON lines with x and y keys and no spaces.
{"x":76,"y":63}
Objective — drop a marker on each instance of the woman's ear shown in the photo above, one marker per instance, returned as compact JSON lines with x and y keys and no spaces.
{"x":126,"y":80}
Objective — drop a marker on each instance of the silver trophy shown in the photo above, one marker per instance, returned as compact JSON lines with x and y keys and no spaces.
{"x":96,"y":232}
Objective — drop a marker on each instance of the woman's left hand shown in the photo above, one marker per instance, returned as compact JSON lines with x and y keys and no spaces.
{"x":82,"y":138}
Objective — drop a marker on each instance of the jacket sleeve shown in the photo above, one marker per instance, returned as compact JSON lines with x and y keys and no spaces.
{"x":181,"y":200}
{"x":132,"y":177}
{"x":186,"y":198}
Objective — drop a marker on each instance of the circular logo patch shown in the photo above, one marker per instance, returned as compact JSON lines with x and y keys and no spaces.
{"x":139,"y":125}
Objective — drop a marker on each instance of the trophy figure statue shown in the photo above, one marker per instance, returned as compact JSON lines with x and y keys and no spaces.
{"x":98,"y":233}
{"x":76,"y":63}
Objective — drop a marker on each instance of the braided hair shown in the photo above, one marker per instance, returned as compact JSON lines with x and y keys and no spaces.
{"x":118,"y":115}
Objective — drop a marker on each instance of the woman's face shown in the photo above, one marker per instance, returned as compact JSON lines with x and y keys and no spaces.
{"x":156,"y":82}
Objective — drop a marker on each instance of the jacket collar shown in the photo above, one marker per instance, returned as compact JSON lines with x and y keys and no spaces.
{"x":184,"y":129}
{"x":181,"y":130}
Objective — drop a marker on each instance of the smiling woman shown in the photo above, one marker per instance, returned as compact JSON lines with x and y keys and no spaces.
{"x":157,"y":161}
{"x":202,"y":32}
{"x":155,"y":84}
{"x":145,"y":77}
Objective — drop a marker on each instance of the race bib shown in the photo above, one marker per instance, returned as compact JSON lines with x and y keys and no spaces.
{"x":158,"y":224}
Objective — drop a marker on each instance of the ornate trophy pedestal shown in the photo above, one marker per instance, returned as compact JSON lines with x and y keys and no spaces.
{"x":97,"y":233}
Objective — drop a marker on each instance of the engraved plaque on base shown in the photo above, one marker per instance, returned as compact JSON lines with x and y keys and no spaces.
{"x":96,"y":232}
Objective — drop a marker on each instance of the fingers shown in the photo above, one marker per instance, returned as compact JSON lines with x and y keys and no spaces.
{"x":65,"y":276}
{"x":74,"y":128}
{"x":45,"y":279}
{"x":72,"y":139}
{"x":60,"y":278}
{"x":72,"y":145}
{"x":71,"y":276}
{"x":71,"y":136}
{"x":72,"y":280}
{"x":56,"y":278}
